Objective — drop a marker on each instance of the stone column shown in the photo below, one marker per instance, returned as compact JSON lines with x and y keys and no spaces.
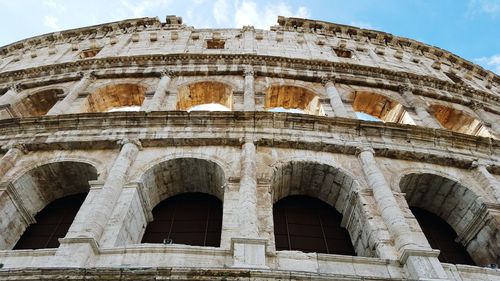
{"x":154,"y":104}
{"x":420,"y":261}
{"x":248,"y":192}
{"x":486,"y":179}
{"x":9,"y":159}
{"x":248,"y":249}
{"x":91,"y":222}
{"x":11,"y":96}
{"x":494,"y":125}
{"x":387,"y":204}
{"x":249,"y":91}
{"x":81,"y":242}
{"x":419,"y":107}
{"x":333,"y":95}
{"x":63,"y":106}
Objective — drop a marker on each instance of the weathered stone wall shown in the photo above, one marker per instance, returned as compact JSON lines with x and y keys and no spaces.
{"x":128,"y":162}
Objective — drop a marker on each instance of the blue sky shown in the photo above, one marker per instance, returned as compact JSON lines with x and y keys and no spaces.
{"x":468,"y":28}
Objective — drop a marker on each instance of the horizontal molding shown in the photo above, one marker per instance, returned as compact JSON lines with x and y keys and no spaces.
{"x":282,"y":130}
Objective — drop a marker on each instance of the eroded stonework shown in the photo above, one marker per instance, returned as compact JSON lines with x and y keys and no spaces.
{"x":112,"y":111}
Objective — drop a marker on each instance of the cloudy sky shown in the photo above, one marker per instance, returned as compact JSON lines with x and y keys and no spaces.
{"x":468,"y":28}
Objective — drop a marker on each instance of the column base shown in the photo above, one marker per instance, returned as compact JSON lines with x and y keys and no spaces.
{"x":75,"y":252}
{"x":423,"y":264}
{"x":249,"y":252}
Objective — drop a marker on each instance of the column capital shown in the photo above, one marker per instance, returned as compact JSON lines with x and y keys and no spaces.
{"x":328,"y":78}
{"x":478,"y":163}
{"x":89,"y":75}
{"x":476,"y":105}
{"x":402,"y":88}
{"x":125,"y":141}
{"x":20,"y":147}
{"x":15,"y":87}
{"x":167,"y":72}
{"x":361,"y":149}
{"x":248,"y":71}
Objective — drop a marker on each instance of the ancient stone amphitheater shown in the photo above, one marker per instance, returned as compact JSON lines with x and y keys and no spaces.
{"x":149,"y":150}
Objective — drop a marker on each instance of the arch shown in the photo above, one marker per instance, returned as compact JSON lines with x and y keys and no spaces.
{"x":37,"y":104}
{"x":37,"y":188}
{"x":180,"y":175}
{"x":187,"y":218}
{"x":459,"y":121}
{"x":128,"y":97}
{"x":309,"y":225}
{"x":292,"y":99}
{"x":441,"y":236}
{"x":380,"y":107}
{"x":204,"y":93}
{"x":317,"y":180}
{"x":459,"y":207}
{"x":51,"y":224}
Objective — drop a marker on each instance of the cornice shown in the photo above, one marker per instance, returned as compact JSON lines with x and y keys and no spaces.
{"x":284,"y":130}
{"x":257,"y":61}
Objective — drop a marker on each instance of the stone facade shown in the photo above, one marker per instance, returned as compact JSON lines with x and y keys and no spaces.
{"x":436,"y":148}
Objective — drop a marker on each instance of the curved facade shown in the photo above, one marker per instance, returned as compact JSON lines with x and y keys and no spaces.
{"x":181,"y":142}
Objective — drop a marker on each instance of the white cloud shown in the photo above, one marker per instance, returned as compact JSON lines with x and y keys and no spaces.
{"x":492,"y":63}
{"x":489,"y":7}
{"x":51,"y":22}
{"x":220,"y":12}
{"x":139,"y":8}
{"x":248,"y":13}
{"x":54,"y":5}
{"x":362,"y":24}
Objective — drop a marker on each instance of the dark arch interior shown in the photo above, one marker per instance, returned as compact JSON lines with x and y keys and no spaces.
{"x":51,"y":224}
{"x":441,"y":236}
{"x":189,"y":218}
{"x":310,"y":225}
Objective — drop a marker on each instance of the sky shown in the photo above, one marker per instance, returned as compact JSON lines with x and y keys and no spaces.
{"x":468,"y":28}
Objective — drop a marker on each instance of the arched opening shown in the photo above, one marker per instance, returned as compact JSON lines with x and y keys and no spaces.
{"x":37,"y":104}
{"x":460,"y":208}
{"x":51,"y":224}
{"x":308,"y":200}
{"x":187,"y":192}
{"x":458,"y":121}
{"x":35,"y":190}
{"x":373,"y":107}
{"x":120,"y":97}
{"x":292,"y":99}
{"x":442,"y":237}
{"x":308,"y":224}
{"x":188,"y":218}
{"x":210,"y":96}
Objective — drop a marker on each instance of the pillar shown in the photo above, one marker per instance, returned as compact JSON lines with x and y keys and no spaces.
{"x":63,"y":106}
{"x":419,"y":107}
{"x":486,"y":179}
{"x":248,"y":249}
{"x":247,"y":218}
{"x":494,"y":125}
{"x":335,"y":100}
{"x":387,"y":204}
{"x":9,"y":159}
{"x":80,"y":244}
{"x":11,"y":96}
{"x":249,"y":91}
{"x":420,"y":262}
{"x":154,"y":104}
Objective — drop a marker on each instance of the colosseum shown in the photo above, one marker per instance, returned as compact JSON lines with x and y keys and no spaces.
{"x":151,"y":150}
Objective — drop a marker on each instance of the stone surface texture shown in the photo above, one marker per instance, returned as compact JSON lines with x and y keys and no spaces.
{"x":436,"y":148}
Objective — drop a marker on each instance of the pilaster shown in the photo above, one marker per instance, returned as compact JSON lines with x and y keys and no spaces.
{"x":63,"y":106}
{"x":155,"y":103}
{"x":335,"y":100}
{"x":419,"y":107}
{"x":249,"y":92}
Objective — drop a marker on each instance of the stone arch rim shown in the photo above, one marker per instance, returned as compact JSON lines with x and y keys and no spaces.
{"x":225,"y":167}
{"x":15,"y":175}
{"x":231,"y":85}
